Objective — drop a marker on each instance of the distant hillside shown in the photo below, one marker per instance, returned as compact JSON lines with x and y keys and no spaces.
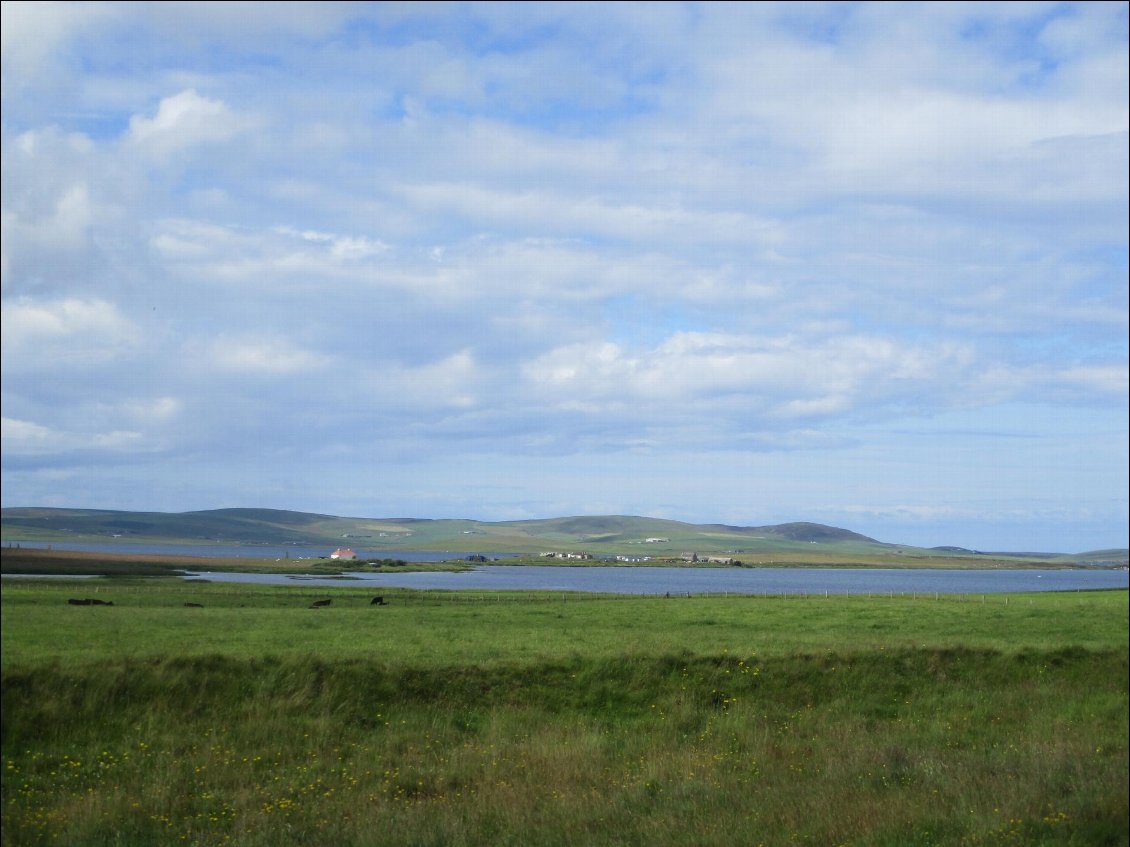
{"x":813,"y":532}
{"x":625,"y":535}
{"x":241,"y":526}
{"x":273,"y":526}
{"x":1101,"y":558}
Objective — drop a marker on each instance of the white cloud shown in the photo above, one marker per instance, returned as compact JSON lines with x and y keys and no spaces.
{"x":33,"y":33}
{"x":70,"y":332}
{"x":341,"y":247}
{"x":783,"y":378}
{"x":557,"y":213}
{"x":155,"y":411}
{"x":448,"y":383}
{"x":22,"y":437}
{"x":48,"y":213}
{"x":185,"y":120}
{"x":26,"y":438}
{"x":1081,"y":383}
{"x":269,"y":258}
{"x":902,"y":102}
{"x":265,"y":356}
{"x":61,"y":230}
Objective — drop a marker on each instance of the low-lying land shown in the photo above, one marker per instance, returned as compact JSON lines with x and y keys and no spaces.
{"x":38,"y":562}
{"x":219,"y":714}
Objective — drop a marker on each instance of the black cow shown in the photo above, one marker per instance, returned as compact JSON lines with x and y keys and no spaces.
{"x":317,"y":604}
{"x":377,"y":601}
{"x":89,"y":602}
{"x":194,"y":605}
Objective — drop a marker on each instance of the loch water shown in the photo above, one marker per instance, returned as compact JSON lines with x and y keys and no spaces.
{"x":635,"y":579}
{"x":682,"y":581}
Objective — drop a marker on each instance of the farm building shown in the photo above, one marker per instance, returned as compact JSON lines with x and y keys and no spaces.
{"x":343,"y":553}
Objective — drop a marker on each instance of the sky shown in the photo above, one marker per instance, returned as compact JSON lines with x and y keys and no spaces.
{"x":851,"y":263}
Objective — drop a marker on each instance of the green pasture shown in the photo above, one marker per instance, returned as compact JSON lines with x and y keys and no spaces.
{"x":465,"y":719}
{"x":149,"y":619}
{"x":31,"y":562}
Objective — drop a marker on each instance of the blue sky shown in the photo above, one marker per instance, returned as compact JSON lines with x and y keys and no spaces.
{"x":860,"y":264}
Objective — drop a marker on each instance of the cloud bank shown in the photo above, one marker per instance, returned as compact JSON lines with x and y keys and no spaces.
{"x":858,"y":263}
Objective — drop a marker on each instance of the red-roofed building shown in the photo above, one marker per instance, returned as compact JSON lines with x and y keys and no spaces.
{"x":343,"y":553}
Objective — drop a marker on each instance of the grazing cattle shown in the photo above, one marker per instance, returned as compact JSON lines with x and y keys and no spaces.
{"x":377,"y":601}
{"x":89,"y":602}
{"x":79,"y":602}
{"x":194,"y":605}
{"x":317,"y":604}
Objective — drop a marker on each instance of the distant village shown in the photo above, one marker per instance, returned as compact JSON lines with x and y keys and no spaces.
{"x":690,"y":558}
{"x":345,"y":554}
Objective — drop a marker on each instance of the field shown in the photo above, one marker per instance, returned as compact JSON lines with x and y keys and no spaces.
{"x":454,"y":719}
{"x":29,"y":562}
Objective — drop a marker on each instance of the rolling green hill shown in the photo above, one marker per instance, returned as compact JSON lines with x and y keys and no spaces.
{"x":623,"y":535}
{"x":271,"y":526}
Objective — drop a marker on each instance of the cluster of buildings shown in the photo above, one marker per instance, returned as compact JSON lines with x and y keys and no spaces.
{"x":714,"y":560}
{"x":690,"y":558}
{"x":345,"y":554}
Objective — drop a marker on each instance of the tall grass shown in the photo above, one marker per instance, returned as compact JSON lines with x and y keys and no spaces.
{"x":756,"y":722}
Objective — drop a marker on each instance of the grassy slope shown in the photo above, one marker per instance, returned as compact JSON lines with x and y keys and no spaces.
{"x":520,"y":719}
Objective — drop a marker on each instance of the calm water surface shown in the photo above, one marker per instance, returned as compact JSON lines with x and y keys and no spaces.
{"x":647,"y":580}
{"x":629,"y":580}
